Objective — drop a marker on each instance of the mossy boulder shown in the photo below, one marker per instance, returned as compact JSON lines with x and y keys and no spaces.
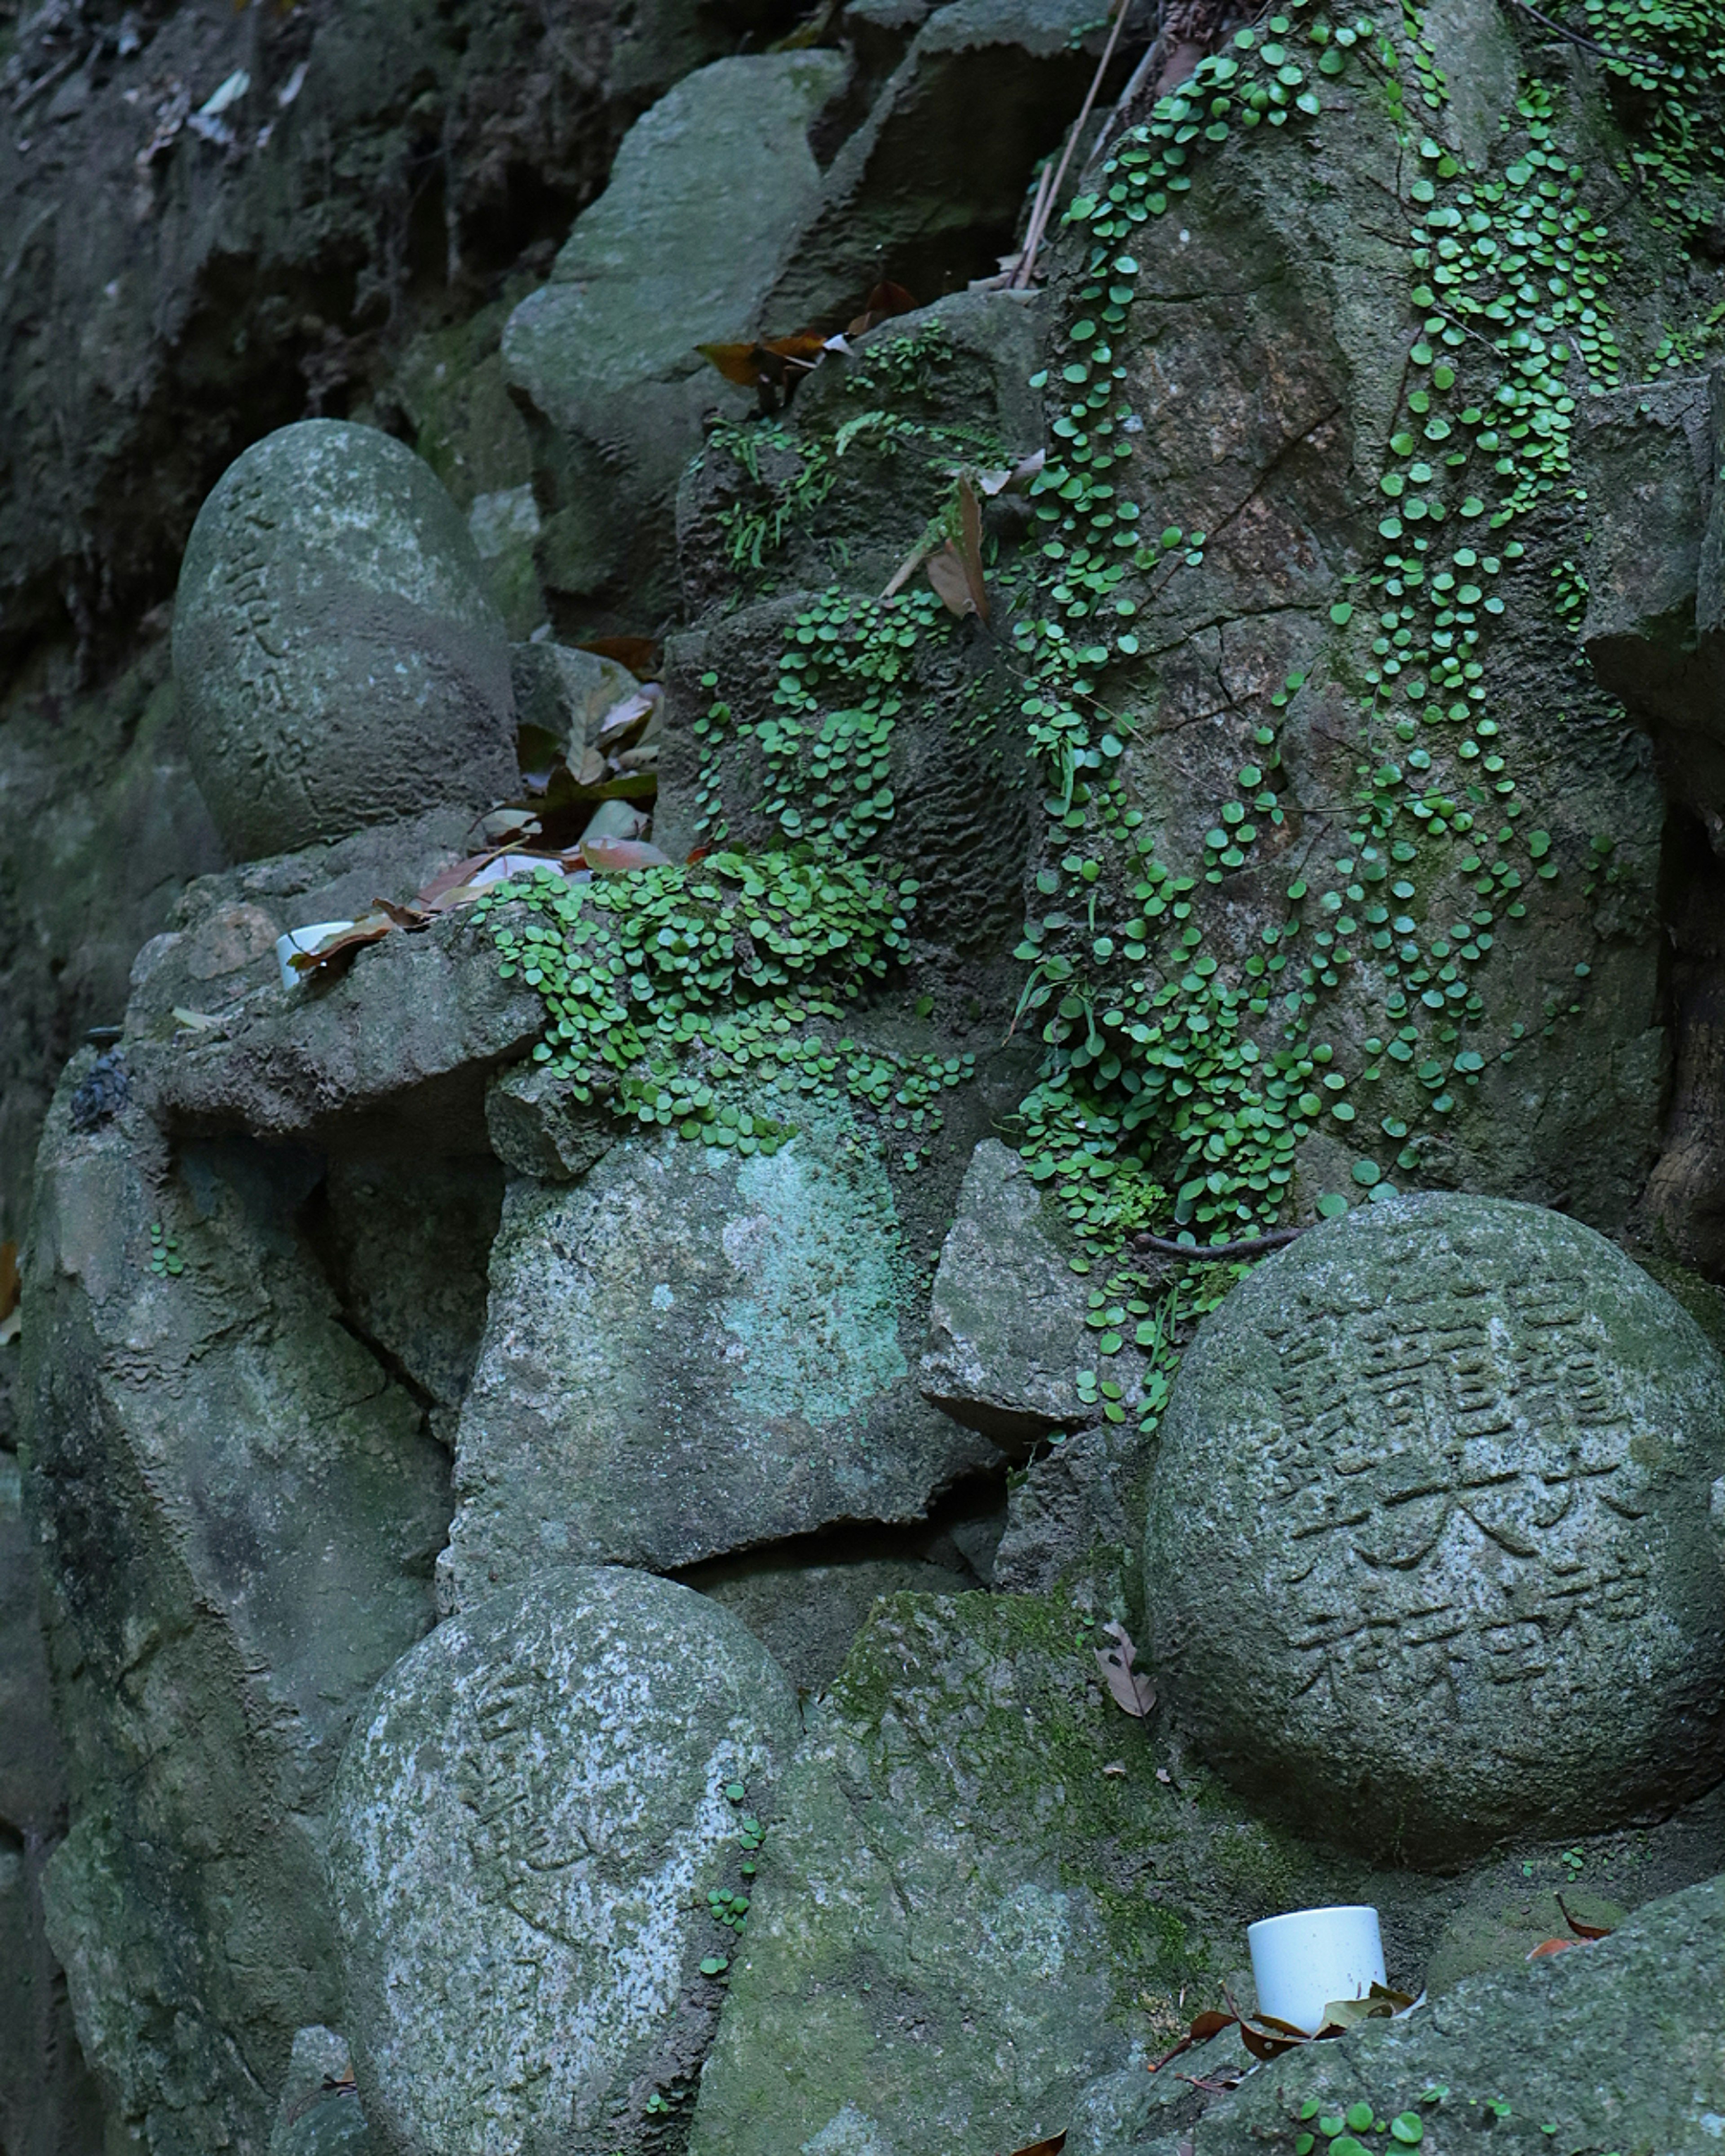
{"x":337,"y":659}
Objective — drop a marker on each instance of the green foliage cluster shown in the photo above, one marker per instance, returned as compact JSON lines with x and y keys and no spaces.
{"x":699,"y":998}
{"x":1666,"y":60}
{"x":755,"y":528}
{"x":827,"y":743}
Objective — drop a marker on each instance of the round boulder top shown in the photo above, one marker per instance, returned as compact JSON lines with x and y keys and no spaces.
{"x":337,"y":661}
{"x":526,"y":1827}
{"x":1429,"y":1551}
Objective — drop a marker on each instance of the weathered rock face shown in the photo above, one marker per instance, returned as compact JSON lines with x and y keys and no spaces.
{"x":48,"y":2100}
{"x":338,"y":661}
{"x":319,"y":2113}
{"x":688,"y":1353}
{"x":707,"y":193}
{"x":218,"y":1463}
{"x":1006,"y":1325}
{"x":1445,"y":1465}
{"x":1566,"y":2044}
{"x":527,"y":1825}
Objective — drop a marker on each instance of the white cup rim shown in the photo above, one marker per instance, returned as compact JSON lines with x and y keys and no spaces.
{"x":1304,"y":1916}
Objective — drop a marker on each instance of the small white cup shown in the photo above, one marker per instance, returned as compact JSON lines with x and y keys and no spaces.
{"x":302,"y":942}
{"x":1300,"y":1962}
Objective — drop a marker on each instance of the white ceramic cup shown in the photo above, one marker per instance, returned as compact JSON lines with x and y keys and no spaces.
{"x":1300,"y":1962}
{"x":302,"y":942}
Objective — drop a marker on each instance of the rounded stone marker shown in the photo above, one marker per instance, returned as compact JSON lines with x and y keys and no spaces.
{"x":1427,"y":1549}
{"x":526,"y":1829}
{"x":337,"y":661}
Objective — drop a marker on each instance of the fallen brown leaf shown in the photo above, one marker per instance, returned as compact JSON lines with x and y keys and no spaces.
{"x":605,"y":855}
{"x":1051,"y":2147}
{"x":883,"y":303}
{"x":372,"y":929}
{"x":1583,"y":1931}
{"x":1135,"y":1693}
{"x":767,"y":365}
{"x":9,"y":1279}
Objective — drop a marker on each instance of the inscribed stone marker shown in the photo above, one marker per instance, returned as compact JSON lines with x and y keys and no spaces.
{"x":1427,"y":1549}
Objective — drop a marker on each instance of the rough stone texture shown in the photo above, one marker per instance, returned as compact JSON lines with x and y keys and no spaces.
{"x":1446,"y":1464}
{"x":420,"y":1022}
{"x":338,"y":661}
{"x":1499,"y":1926}
{"x":49,"y":2105}
{"x":217,"y":1463}
{"x":708,"y":193}
{"x":536,"y":1127}
{"x":526,"y":1826}
{"x":979,"y":1896}
{"x":1126,"y":2109}
{"x":1615,"y":2045}
{"x":1071,"y":1518}
{"x":1648,"y":456}
{"x":808,"y":1615}
{"x":566,"y":693}
{"x":1006,"y":1330}
{"x":102,"y":827}
{"x":688,"y":1353}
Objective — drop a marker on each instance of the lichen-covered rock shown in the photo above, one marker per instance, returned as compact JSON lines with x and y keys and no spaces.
{"x":527,"y":1825}
{"x":339,"y":663}
{"x":808,"y":1615}
{"x":218,"y":1463}
{"x":1444,"y":1465}
{"x":1613,"y":2046}
{"x":691,"y":1353}
{"x":707,"y":195}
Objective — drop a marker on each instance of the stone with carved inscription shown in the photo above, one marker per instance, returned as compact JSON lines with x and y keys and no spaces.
{"x":1428,"y":1554}
{"x":530,"y":1826}
{"x":337,"y":661}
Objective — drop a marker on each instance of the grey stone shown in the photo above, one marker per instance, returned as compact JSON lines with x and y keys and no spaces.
{"x":419,"y":1023}
{"x":1006,"y":1330}
{"x":527,"y":1825}
{"x":689,"y":1353}
{"x":707,"y":196}
{"x":239,"y":1508}
{"x":1498,"y":1927}
{"x":319,"y":2112}
{"x":1128,"y":2109}
{"x":338,"y":661}
{"x":806,"y":1616}
{"x":1647,"y":455}
{"x":566,"y":692}
{"x":1444,"y":1464}
{"x":1070,"y":1519}
{"x":1619,"y":2044}
{"x":538,"y":1128}
{"x":48,"y":2102}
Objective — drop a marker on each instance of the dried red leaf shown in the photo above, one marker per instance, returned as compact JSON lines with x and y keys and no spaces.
{"x":1552,"y":1946}
{"x":1051,"y":2147}
{"x":8,"y":1280}
{"x":371,"y":930}
{"x":409,"y":916}
{"x":1583,"y":1931}
{"x":766,"y":363}
{"x":637,"y":655}
{"x":970,"y":520}
{"x":696,"y":854}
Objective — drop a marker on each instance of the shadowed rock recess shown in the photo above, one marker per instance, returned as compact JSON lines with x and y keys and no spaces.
{"x":862,"y":1021}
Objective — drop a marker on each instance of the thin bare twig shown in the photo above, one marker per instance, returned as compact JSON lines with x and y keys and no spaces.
{"x":1033,"y":238}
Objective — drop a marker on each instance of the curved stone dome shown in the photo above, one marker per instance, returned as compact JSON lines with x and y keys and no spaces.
{"x":1429,"y":1555}
{"x":337,"y":661}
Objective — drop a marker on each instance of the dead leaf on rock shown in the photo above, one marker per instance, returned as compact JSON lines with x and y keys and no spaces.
{"x":372,"y":929}
{"x":628,"y":715}
{"x":1051,"y":2147}
{"x":956,"y":571}
{"x":1586,"y":1932}
{"x":886,"y":301}
{"x":9,"y":1279}
{"x":609,"y":856}
{"x":1135,"y":1693}
{"x":772,"y":367}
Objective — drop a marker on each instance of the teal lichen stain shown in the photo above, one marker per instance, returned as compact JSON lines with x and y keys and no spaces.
{"x":815,"y":1317}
